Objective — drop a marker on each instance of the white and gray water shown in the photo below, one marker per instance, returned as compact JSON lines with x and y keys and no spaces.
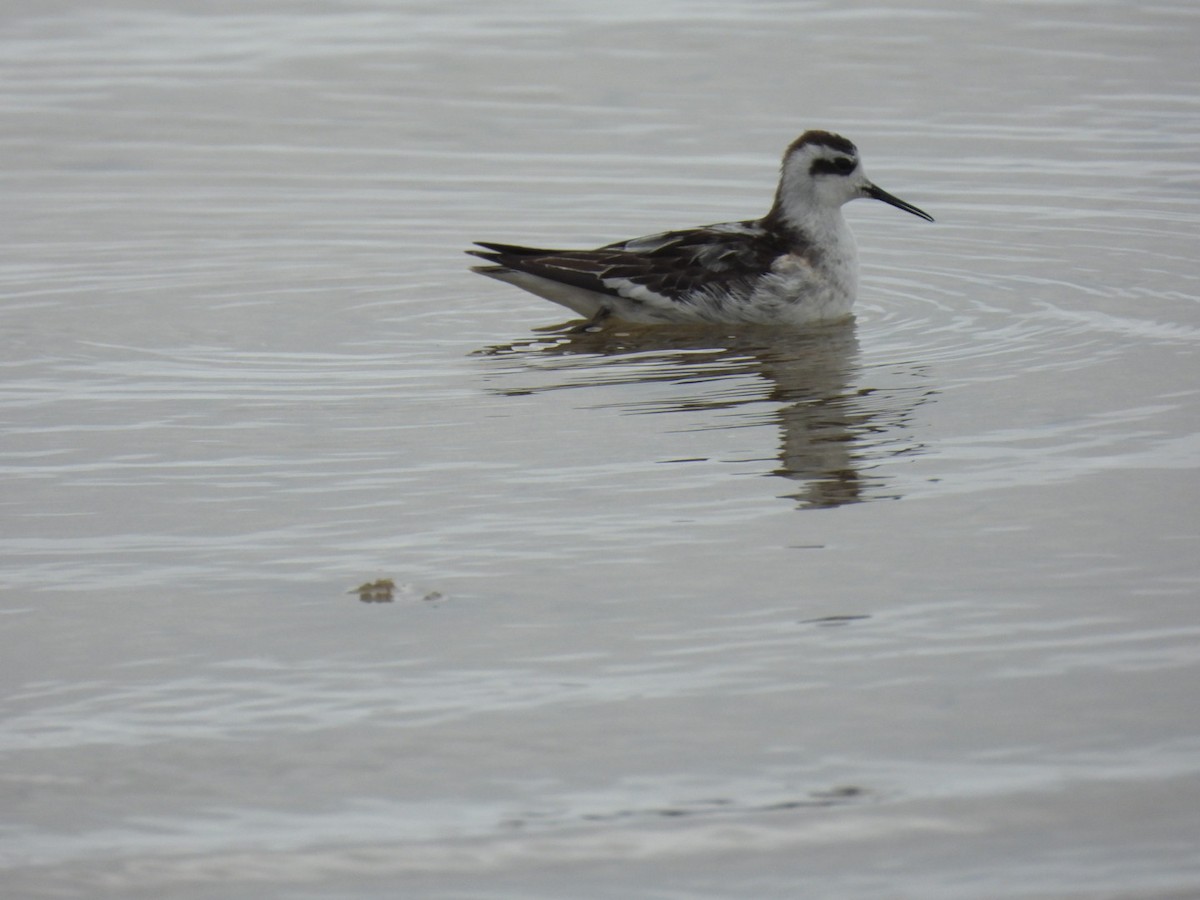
{"x":906,"y":608}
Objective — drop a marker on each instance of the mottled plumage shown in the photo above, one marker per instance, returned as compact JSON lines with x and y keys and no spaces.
{"x":795,"y":265}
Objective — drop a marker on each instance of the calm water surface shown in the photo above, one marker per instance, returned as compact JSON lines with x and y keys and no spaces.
{"x":904,"y":608}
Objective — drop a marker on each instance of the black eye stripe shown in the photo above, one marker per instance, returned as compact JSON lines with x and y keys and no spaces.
{"x":842,"y":165}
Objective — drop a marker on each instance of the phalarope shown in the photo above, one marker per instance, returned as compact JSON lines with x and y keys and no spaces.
{"x":796,"y":265}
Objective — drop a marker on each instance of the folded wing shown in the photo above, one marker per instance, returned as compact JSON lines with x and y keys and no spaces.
{"x":670,"y":267}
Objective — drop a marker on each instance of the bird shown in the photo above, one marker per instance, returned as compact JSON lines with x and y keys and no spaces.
{"x":795,"y":266}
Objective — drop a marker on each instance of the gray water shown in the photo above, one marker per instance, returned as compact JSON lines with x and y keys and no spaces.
{"x":905,"y":608}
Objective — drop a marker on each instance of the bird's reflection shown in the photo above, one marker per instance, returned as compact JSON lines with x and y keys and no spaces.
{"x":838,"y":420}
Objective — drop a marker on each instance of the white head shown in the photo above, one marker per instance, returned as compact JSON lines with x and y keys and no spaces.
{"x":821,"y":172}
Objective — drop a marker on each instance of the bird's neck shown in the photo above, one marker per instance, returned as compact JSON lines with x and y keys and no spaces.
{"x":804,"y":224}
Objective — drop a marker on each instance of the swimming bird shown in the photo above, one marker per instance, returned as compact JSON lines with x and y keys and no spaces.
{"x":797,"y":265}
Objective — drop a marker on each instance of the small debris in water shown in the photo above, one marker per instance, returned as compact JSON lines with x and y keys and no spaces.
{"x":380,"y":591}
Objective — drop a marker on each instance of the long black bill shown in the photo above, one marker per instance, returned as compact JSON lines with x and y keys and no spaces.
{"x":878,"y":193}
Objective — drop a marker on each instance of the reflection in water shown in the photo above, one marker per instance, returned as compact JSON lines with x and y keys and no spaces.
{"x":838,"y":421}
{"x":384,"y":590}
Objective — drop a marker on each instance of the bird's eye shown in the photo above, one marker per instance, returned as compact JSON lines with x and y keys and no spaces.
{"x":841,"y":165}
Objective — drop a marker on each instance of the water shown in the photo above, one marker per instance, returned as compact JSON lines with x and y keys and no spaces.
{"x":905,"y":608}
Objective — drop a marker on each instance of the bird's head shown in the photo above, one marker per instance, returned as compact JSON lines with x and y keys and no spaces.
{"x":821,"y":172}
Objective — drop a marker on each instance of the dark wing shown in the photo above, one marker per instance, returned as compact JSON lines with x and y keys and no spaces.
{"x":672,"y":265}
